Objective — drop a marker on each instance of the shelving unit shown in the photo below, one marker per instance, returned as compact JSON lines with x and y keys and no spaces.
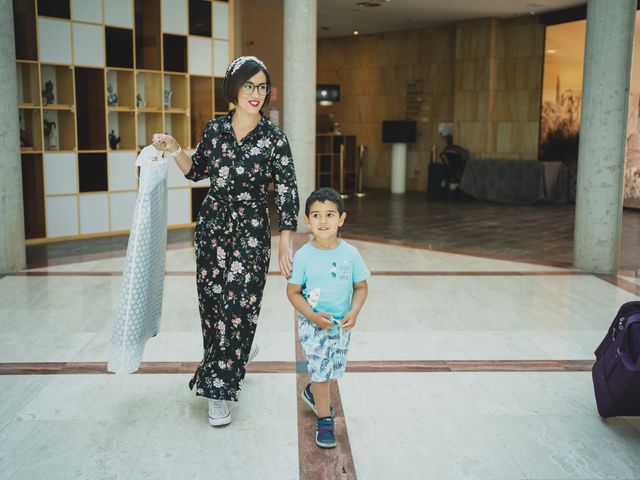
{"x":123,"y":86}
{"x":75,"y":182}
{"x":148,"y":124}
{"x":30,"y":120}
{"x":57,"y":87}
{"x":119,"y":47}
{"x":59,"y":127}
{"x":122,"y":126}
{"x":33,"y":195}
{"x":28,"y":85}
{"x":201,"y":106}
{"x":175,"y":53}
{"x":336,"y":165}
{"x":90,"y":96}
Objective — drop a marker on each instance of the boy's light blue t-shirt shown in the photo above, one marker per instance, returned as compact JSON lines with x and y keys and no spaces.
{"x":327,"y":276}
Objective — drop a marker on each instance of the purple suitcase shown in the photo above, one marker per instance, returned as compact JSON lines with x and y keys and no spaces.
{"x":616,"y":373}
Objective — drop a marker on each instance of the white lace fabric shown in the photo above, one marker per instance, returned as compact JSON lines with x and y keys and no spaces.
{"x":140,"y":305}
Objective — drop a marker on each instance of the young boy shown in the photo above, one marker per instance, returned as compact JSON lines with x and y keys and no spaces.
{"x":327,"y":288}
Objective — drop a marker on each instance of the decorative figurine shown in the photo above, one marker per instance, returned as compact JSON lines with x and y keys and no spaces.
{"x":24,"y":139}
{"x":47,"y":93}
{"x":113,"y":140}
{"x":24,"y":136}
{"x":139,"y":101}
{"x":50,"y":135}
{"x":167,"y":98}
{"x":112,"y":96}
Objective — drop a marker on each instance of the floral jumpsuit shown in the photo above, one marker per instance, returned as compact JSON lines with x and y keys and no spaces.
{"x":233,"y":243}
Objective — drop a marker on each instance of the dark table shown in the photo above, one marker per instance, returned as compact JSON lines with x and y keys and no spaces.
{"x":516,"y":181}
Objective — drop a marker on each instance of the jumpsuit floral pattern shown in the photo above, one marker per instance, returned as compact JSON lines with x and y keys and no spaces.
{"x":233,"y":243}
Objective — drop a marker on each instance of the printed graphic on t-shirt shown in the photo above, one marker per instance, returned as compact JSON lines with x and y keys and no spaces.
{"x":313,"y":297}
{"x":345,"y":271}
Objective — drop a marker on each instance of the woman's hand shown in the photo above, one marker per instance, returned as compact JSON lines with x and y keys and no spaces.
{"x":164,"y":143}
{"x":285,"y":254}
{"x":285,"y":259}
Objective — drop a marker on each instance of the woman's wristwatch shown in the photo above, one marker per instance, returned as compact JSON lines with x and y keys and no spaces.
{"x":177,"y":152}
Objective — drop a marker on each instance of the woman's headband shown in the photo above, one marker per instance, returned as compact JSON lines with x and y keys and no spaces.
{"x":238,"y":62}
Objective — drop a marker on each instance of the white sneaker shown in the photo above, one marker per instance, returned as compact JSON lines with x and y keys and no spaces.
{"x":253,"y":353}
{"x":219,"y":413}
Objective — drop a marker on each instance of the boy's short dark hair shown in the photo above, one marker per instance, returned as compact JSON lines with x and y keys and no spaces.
{"x":324,"y":194}
{"x":233,"y":81}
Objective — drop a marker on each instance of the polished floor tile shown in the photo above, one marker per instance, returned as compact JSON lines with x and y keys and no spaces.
{"x":423,"y":305}
{"x":484,"y":425}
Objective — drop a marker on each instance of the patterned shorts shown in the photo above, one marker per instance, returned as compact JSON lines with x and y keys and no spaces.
{"x":326,"y":351}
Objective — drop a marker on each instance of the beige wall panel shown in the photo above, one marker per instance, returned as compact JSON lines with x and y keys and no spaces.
{"x":441,"y":76}
{"x":464,"y":106}
{"x":261,"y":35}
{"x":534,"y":105}
{"x":534,"y":67}
{"x":458,"y":75}
{"x":328,"y":76}
{"x":520,"y":137}
{"x":348,"y":110}
{"x":512,"y":106}
{"x":473,"y":135}
{"x":500,"y":44}
{"x":531,"y":138}
{"x":483,"y":111}
{"x":522,"y":73}
{"x":467,"y":77}
{"x":377,"y":182}
{"x":465,"y":71}
{"x":393,"y":79}
{"x":524,"y":40}
{"x":482,"y":74}
{"x":506,"y":74}
{"x":365,"y":81}
{"x":505,"y":133}
{"x":443,"y":44}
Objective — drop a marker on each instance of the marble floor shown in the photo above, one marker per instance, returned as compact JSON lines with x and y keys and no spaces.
{"x":464,"y":367}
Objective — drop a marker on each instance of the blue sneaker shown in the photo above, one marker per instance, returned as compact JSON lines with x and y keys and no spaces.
{"x":325,"y":433}
{"x":307,"y":396}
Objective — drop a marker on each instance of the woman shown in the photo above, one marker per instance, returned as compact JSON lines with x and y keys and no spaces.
{"x":241,"y":153}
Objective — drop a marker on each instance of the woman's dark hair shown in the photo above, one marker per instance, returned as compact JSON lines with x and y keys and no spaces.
{"x":324,"y":194}
{"x":233,"y":80}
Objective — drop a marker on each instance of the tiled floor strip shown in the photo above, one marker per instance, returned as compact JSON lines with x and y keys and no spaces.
{"x":382,"y":273}
{"x":319,"y":463}
{"x":621,"y":283}
{"x":362,"y":366}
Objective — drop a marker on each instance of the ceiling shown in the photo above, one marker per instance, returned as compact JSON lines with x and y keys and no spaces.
{"x":342,"y":17}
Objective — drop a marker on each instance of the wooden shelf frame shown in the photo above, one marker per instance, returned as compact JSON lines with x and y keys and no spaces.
{"x":83,"y":117}
{"x":336,"y":162}
{"x":122,"y":83}
{"x":58,"y":81}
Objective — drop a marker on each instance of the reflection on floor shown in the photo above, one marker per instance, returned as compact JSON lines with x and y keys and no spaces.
{"x":463,"y":367}
{"x":540,"y":232}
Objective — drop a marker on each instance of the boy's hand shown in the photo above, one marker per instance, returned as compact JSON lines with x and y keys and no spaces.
{"x":322,"y":319}
{"x":349,"y":321}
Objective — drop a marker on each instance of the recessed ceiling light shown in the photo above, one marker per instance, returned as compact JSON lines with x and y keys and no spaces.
{"x":355,"y":32}
{"x":551,"y":50}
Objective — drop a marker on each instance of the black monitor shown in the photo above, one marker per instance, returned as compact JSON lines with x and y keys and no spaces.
{"x":399,"y":131}
{"x":327,"y":93}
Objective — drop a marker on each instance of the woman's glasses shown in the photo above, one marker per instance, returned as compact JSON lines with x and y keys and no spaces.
{"x":247,"y":88}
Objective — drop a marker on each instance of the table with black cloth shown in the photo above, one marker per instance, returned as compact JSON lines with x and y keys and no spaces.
{"x":516,"y":181}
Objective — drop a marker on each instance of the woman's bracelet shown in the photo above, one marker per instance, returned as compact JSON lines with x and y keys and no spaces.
{"x":177,"y":152}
